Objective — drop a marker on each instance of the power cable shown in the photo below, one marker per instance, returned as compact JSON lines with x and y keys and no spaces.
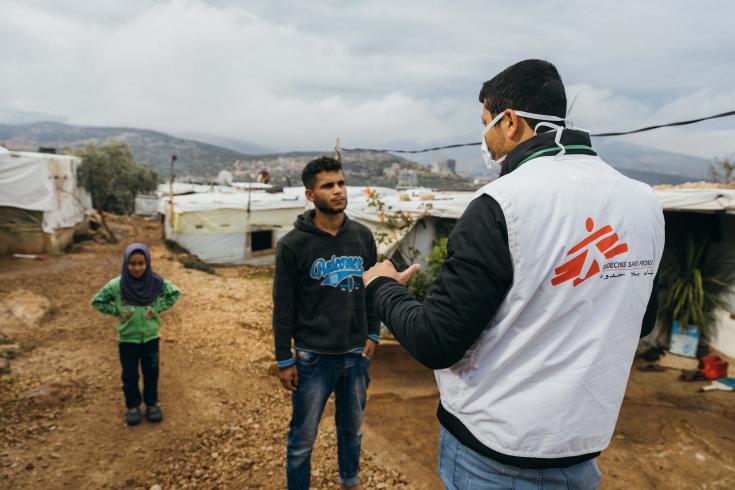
{"x":596,"y":135}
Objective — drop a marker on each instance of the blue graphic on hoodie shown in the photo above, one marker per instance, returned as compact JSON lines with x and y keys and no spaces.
{"x":338,"y":271}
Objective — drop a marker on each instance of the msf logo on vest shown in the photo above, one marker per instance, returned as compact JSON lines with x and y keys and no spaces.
{"x":338,"y":271}
{"x":585,"y":256}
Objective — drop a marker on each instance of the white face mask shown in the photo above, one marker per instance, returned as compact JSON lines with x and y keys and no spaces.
{"x":496,"y":165}
{"x":491,"y":163}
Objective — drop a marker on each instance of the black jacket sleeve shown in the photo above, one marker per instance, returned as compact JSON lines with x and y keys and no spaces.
{"x":284,"y":285}
{"x":372,"y":316}
{"x":470,"y":286}
{"x":649,"y":319}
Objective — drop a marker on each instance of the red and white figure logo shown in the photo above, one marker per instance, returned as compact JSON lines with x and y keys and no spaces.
{"x":588,"y":255}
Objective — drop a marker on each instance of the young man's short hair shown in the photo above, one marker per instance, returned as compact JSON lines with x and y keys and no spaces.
{"x":322,"y":164}
{"x":530,"y":86}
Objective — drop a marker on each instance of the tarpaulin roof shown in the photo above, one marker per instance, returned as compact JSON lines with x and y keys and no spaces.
{"x":25,"y":181}
{"x":698,"y":200}
{"x":424,"y":202}
{"x":241,"y":200}
{"x":291,"y":197}
{"x":43,"y":182}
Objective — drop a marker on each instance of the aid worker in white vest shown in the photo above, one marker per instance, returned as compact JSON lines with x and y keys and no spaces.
{"x":533,"y":321}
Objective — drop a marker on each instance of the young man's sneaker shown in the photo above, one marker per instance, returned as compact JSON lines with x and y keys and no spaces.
{"x":153,"y":413}
{"x":133,"y":416}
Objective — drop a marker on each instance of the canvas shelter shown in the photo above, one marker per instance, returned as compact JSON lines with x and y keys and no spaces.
{"x":41,"y":202}
{"x":238,"y":225}
{"x":232,"y":228}
{"x":696,"y":208}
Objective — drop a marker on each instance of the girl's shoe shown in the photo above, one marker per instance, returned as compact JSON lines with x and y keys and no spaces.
{"x":153,"y":413}
{"x":133,"y":416}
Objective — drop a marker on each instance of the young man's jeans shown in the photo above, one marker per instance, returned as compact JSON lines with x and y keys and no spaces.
{"x":461,"y":468}
{"x":319,"y":376}
{"x":131,"y":356}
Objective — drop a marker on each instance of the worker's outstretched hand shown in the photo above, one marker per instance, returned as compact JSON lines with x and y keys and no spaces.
{"x":386,"y":269}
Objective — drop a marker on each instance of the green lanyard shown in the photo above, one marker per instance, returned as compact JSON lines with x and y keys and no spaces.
{"x":555,"y":148}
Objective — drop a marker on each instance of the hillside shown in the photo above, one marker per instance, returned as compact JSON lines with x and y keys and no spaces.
{"x":203,"y":160}
{"x":148,"y":146}
{"x":361,"y":168}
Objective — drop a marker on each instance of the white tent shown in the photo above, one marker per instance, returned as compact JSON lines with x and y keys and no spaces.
{"x":698,"y":200}
{"x":45,"y":187}
{"x":146,"y":204}
{"x":150,"y":204}
{"x":240,"y":227}
{"x":413,"y":204}
{"x":233,"y":228}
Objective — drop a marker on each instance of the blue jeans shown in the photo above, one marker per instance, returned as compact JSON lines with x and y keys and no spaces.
{"x":319,"y":376}
{"x":461,"y":468}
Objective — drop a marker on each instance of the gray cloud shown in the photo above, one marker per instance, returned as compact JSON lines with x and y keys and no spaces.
{"x":294,"y":75}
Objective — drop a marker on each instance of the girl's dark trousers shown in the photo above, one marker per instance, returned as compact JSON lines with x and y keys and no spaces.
{"x":131,"y":356}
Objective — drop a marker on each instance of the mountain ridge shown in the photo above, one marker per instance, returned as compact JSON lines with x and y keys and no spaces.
{"x":197,"y":159}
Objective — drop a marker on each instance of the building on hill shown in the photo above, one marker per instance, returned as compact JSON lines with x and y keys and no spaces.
{"x":445,"y":166}
{"x":392,"y":171}
{"x":407,"y":178}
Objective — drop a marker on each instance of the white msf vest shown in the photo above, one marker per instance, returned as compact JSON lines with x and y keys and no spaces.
{"x":547,"y":377}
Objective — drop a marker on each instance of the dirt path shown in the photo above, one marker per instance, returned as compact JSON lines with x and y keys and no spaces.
{"x":227,"y":417}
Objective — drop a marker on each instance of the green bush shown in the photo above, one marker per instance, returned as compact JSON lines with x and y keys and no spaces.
{"x":422,"y":280}
{"x":112,"y":176}
{"x":694,"y":282}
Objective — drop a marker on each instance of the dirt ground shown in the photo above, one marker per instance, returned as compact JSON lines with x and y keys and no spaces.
{"x":61,"y":423}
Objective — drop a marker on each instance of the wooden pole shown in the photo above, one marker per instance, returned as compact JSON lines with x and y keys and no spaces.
{"x":171,"y":192}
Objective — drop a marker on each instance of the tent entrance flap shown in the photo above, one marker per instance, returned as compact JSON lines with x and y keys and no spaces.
{"x":21,"y":231}
{"x":19,"y":220}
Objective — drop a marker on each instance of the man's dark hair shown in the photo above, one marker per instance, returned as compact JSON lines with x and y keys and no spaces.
{"x":321,"y":164}
{"x":530,"y":86}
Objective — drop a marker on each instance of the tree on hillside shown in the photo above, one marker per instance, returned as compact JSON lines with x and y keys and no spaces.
{"x":112,"y":176}
{"x":723,"y":171}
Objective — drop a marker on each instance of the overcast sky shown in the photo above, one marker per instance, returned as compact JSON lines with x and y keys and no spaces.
{"x":295,"y":74}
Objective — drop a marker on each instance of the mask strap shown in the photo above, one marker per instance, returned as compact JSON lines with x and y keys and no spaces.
{"x":544,"y":123}
{"x":541,"y":117}
{"x":557,"y":139}
{"x":493,"y":122}
{"x":558,"y":128}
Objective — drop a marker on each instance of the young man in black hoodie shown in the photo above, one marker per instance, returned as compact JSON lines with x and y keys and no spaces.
{"x":319,"y":301}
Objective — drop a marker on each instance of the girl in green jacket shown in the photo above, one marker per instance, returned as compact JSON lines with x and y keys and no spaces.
{"x":137,"y":297}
